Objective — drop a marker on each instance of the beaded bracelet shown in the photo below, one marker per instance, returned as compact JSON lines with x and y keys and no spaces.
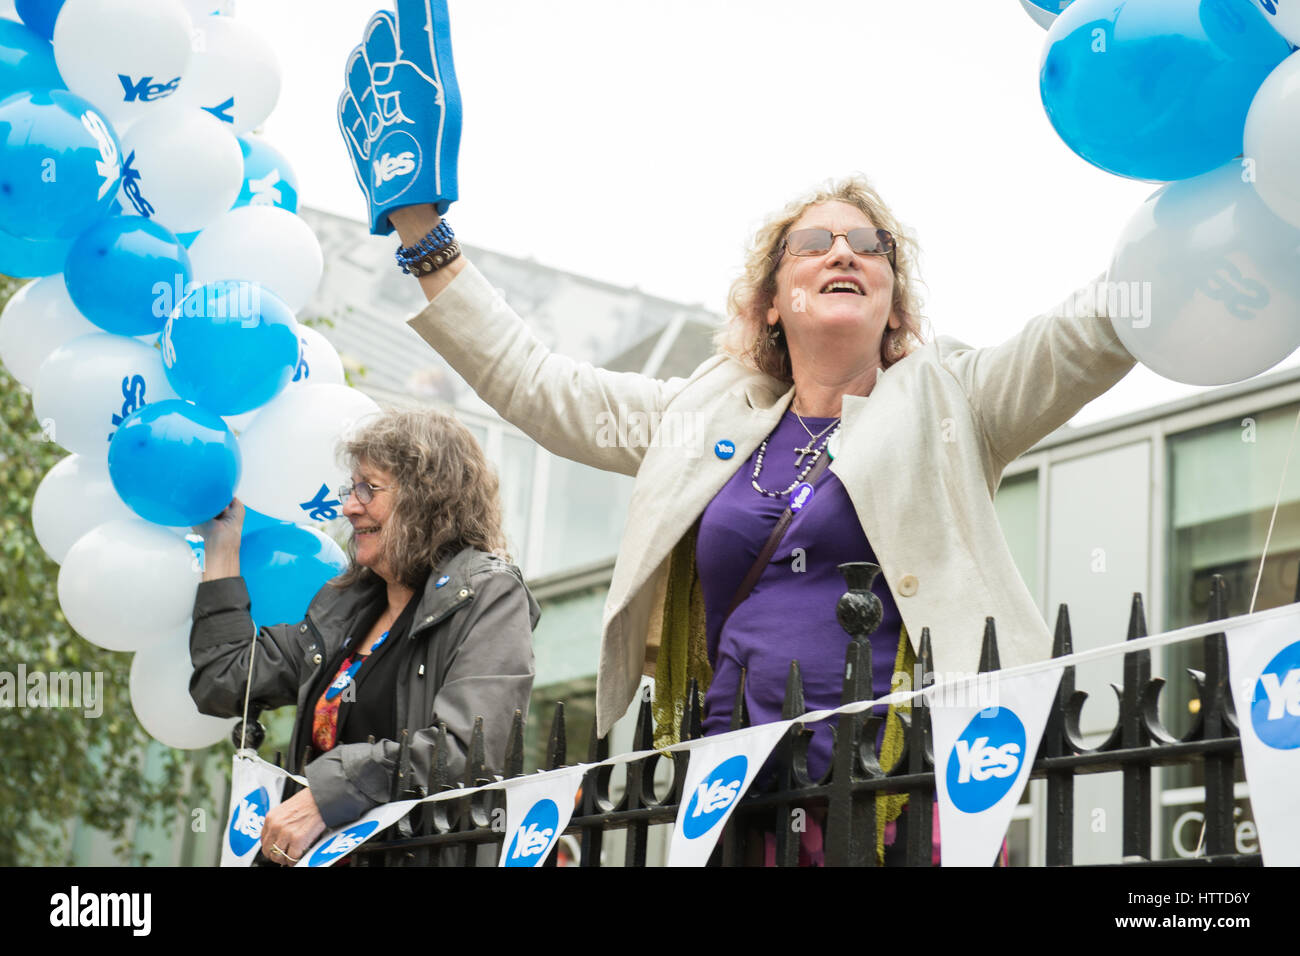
{"x":431,"y":253}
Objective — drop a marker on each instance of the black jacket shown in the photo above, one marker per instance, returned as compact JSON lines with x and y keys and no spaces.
{"x":472,"y":657}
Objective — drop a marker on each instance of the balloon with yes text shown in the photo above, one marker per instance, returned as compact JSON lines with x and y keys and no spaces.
{"x":234,"y":75}
{"x":181,"y":168}
{"x":88,"y":386}
{"x":269,"y":179}
{"x":128,"y":57}
{"x":60,"y":165}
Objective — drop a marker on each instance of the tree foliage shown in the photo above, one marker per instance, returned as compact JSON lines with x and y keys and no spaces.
{"x":58,"y":766}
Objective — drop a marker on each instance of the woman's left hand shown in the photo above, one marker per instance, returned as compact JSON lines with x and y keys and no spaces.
{"x":291,"y":828}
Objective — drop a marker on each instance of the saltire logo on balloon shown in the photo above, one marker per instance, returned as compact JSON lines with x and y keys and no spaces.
{"x":713,"y":796}
{"x":342,"y":843}
{"x":246,"y":825}
{"x":985,"y":759}
{"x":534,"y":836}
{"x":1275,"y":705}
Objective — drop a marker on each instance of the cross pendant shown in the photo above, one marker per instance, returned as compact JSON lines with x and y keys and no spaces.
{"x":803,"y":453}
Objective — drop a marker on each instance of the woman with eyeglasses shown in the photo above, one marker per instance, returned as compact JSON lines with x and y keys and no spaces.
{"x":429,"y":625}
{"x":825,"y":429}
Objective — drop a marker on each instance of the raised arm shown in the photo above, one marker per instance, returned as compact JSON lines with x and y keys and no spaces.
{"x":570,"y":408}
{"x":1033,"y":383}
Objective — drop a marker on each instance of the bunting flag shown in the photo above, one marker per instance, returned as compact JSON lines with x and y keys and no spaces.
{"x":1264,"y":660}
{"x":721,"y":769}
{"x":984,"y":747}
{"x":339,"y":842}
{"x":538,"y":809}
{"x":255,"y":787}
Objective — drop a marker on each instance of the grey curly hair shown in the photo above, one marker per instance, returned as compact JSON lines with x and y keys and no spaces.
{"x":445,"y":493}
{"x":745,"y":334}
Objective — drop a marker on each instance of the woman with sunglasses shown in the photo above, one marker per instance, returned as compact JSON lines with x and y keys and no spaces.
{"x":429,"y":625}
{"x":822,"y":363}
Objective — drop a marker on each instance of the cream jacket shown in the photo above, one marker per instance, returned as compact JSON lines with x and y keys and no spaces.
{"x":920,"y":457}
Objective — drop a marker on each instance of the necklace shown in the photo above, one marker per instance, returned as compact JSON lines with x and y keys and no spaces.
{"x":762,"y":450}
{"x":806,"y":450}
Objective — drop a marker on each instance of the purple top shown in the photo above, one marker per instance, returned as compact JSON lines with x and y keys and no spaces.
{"x":790,"y":614}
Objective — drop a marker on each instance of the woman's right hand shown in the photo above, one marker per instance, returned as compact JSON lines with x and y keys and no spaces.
{"x":221,"y":537}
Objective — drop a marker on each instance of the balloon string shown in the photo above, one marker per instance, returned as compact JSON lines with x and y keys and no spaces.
{"x":248,"y":690}
{"x":1273,"y":518}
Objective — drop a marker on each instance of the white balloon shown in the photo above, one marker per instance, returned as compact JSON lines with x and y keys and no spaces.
{"x":291,"y":470}
{"x":263,"y":244}
{"x":74,"y":497}
{"x":189,"y":165}
{"x":1284,"y":15}
{"x":87,"y":386}
{"x":160,"y":696}
{"x":234,"y":75}
{"x":127,"y":584}
{"x":1212,"y":273}
{"x":37,"y":320}
{"x":128,"y":57}
{"x":320,"y":363}
{"x":1272,"y":140}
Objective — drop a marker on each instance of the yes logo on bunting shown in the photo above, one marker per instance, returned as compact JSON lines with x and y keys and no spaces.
{"x":535,"y":835}
{"x":1275,"y":705}
{"x":342,"y":843}
{"x":985,"y":759}
{"x":246,"y":825}
{"x":713,"y":796}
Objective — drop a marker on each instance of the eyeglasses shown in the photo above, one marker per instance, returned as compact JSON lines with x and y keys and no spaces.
{"x":364,"y":489}
{"x":865,"y":241}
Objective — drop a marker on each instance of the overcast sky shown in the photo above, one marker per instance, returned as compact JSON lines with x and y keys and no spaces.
{"x":641,"y":144}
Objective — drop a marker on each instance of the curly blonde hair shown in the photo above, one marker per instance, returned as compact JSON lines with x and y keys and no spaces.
{"x":445,"y":494}
{"x":745,"y":334}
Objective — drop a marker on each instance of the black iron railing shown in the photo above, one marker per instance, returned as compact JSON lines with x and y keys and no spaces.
{"x":469,"y":831}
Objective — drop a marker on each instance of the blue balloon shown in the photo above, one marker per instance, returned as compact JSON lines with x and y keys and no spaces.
{"x":60,"y":165}
{"x":255,"y":521}
{"x":28,"y":258}
{"x":268,"y":178}
{"x":1155,"y":90}
{"x":26,"y":61}
{"x":284,"y":567}
{"x":39,"y":15}
{"x":126,"y":274}
{"x":230,"y":347}
{"x":1051,"y":6}
{"x":174,"y":463}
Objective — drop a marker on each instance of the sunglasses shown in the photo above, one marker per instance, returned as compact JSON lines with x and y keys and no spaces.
{"x":864,"y":241}
{"x":365,"y":491}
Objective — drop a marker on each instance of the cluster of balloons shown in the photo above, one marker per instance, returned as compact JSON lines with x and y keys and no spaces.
{"x":1202,"y":96}
{"x":159,"y":337}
